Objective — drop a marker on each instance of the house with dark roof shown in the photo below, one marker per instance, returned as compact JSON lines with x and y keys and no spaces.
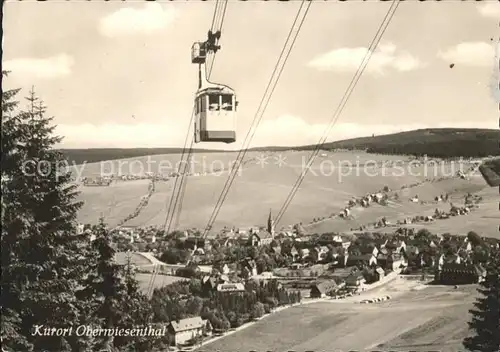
{"x":248,"y":268}
{"x":209,"y":283}
{"x":261,"y":238}
{"x":411,"y":250}
{"x":275,"y":247}
{"x":396,"y":245}
{"x":323,"y":289}
{"x":327,"y":238}
{"x":183,"y":331}
{"x":453,"y":273}
{"x":391,"y":261}
{"x":361,"y":260}
{"x":368,"y":249}
{"x":380,"y":242}
{"x":355,"y":280}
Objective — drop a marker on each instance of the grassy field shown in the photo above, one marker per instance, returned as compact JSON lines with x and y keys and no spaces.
{"x":114,"y":202}
{"x":484,"y":220}
{"x":159,"y":281}
{"x":333,"y":180}
{"x":432,"y":318}
{"x":144,"y":279}
{"x":135,"y":258}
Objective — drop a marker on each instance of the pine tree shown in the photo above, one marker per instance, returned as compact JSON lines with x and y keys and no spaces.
{"x":43,"y":258}
{"x":485,"y":320}
{"x":117,"y":301}
{"x":104,"y":286}
{"x":11,"y":334}
{"x":138,"y":309}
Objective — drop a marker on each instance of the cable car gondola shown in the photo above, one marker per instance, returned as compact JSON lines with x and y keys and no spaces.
{"x":215,"y":104}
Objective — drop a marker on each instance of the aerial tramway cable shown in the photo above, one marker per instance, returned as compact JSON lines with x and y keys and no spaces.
{"x":217,"y":22}
{"x":271,"y":86}
{"x":178,"y":192}
{"x":378,"y":36}
{"x":184,"y":164}
{"x":218,"y":27}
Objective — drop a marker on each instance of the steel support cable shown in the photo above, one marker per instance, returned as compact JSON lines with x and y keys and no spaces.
{"x":342,"y":104}
{"x":217,"y":23}
{"x":171,"y":208}
{"x":378,"y":36}
{"x":155,"y":268}
{"x":262,"y":107}
{"x":179,"y":173}
{"x":183,"y":184}
{"x":214,"y":17}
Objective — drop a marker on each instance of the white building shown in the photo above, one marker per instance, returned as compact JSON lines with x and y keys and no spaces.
{"x":185,"y":330}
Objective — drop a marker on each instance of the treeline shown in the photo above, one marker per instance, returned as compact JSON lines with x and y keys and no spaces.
{"x":440,"y":143}
{"x":95,"y":155}
{"x":224,"y":310}
{"x":491,"y":172}
{"x":444,"y":149}
{"x":434,"y":142}
{"x":54,"y":277}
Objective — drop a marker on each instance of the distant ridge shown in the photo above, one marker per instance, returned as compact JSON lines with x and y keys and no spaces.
{"x":433,"y":142}
{"x":94,"y":155}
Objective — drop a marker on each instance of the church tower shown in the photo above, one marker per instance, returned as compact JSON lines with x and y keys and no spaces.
{"x":270,"y":224}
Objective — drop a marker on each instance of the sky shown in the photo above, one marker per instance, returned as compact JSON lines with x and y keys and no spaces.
{"x":119,"y":74}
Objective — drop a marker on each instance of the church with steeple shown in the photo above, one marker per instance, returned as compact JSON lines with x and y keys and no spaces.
{"x":264,"y":236}
{"x":270,"y":223}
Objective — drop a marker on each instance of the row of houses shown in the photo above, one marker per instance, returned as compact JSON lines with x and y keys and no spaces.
{"x":453,"y":270}
{"x":354,"y":282}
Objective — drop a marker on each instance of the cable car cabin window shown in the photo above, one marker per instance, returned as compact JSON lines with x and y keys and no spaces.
{"x":202,"y":103}
{"x":227,"y":102}
{"x":213,"y":102}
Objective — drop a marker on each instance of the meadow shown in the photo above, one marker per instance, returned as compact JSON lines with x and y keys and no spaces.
{"x":158,"y":282}
{"x":113,"y":203}
{"x":263,"y":183}
{"x":484,"y":221}
{"x":431,"y":318}
{"x":144,"y":279}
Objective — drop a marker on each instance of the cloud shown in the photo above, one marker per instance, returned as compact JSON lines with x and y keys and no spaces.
{"x":120,"y":135}
{"x":294,"y":130}
{"x":349,"y":59}
{"x":470,"y":53}
{"x":51,"y":67}
{"x":151,"y":18}
{"x":490,"y":9}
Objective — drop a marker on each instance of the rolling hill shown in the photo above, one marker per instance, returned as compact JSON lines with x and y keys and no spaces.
{"x":95,"y":155}
{"x":443,"y":142}
{"x":333,"y":180}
